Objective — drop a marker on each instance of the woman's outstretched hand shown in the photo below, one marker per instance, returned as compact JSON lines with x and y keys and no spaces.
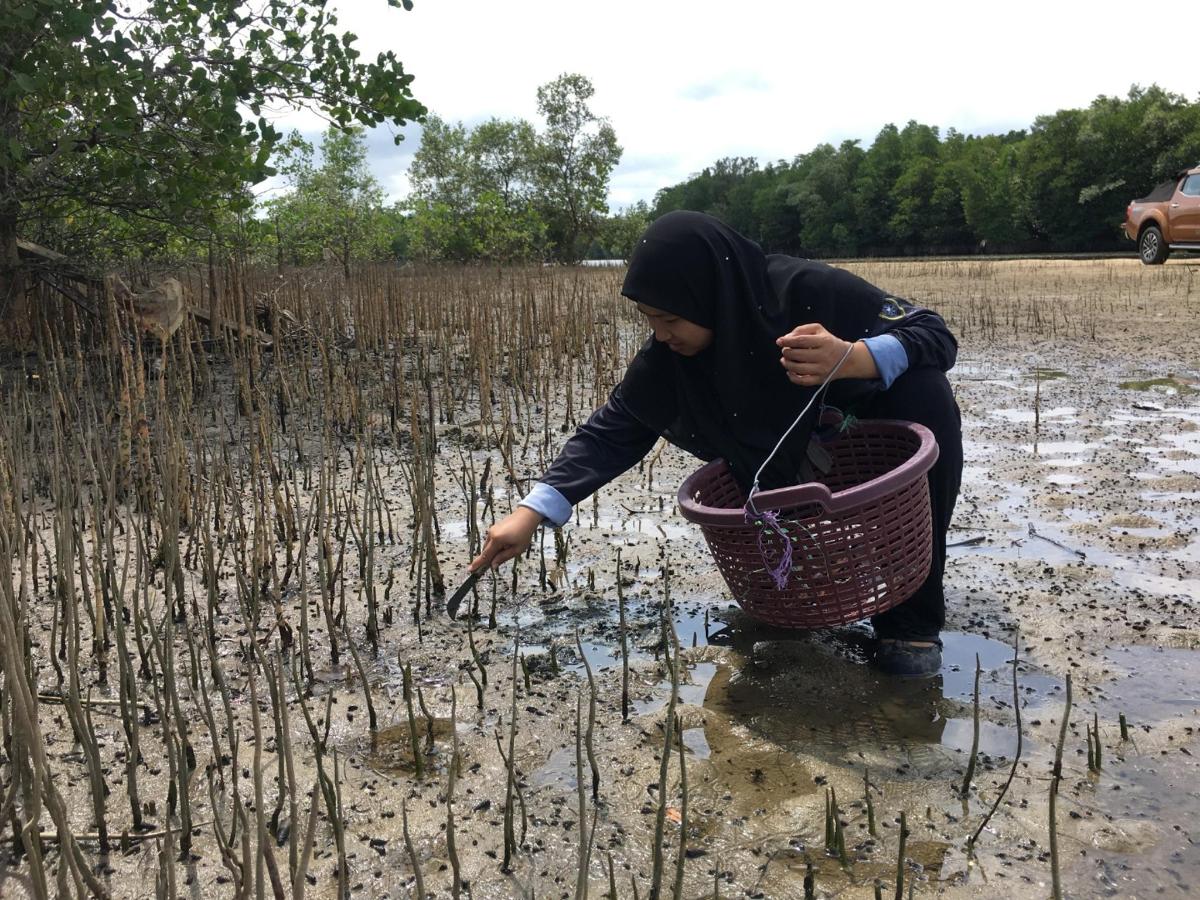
{"x":808,"y":353}
{"x":509,"y":537}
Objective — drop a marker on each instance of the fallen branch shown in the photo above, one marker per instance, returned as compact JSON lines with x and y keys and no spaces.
{"x":147,"y":714}
{"x":1033,"y":532}
{"x":265,"y":340}
{"x":126,"y":837}
{"x":968,"y":542}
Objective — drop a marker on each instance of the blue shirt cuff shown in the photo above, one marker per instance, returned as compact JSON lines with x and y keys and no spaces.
{"x":549,"y":503}
{"x":891,"y":359}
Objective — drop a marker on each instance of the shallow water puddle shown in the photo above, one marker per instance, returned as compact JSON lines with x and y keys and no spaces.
{"x":811,"y":702}
{"x":1162,"y":585}
{"x":693,"y":624}
{"x":816,"y":696}
{"x":1154,"y":683}
{"x":1177,"y":496}
{"x":391,"y":748}
{"x":558,"y":770}
{"x":694,"y":681}
{"x":696,"y":743}
{"x":1157,"y":555}
{"x":1190,"y":466}
{"x":1139,"y":812}
{"x":651,"y":524}
{"x":1065,"y":479}
{"x":1059,"y":415}
{"x":824,"y":702}
{"x":1064,"y":463}
{"x":1144,"y":839}
{"x":1060,"y":448}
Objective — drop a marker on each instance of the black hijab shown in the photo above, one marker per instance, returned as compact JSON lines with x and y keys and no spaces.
{"x":733,"y":399}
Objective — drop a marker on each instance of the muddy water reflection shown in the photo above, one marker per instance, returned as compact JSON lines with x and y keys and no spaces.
{"x":816,"y":697}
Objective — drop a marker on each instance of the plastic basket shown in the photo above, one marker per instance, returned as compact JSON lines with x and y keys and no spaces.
{"x":862,"y":537}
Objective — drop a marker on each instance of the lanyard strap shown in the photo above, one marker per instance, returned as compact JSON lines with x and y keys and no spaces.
{"x":754,"y":489}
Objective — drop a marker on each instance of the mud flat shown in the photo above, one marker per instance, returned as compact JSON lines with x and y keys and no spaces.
{"x":1077,"y":527}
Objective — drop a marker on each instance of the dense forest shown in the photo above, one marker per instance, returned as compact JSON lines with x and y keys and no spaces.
{"x":1062,"y":185}
{"x":507,"y":191}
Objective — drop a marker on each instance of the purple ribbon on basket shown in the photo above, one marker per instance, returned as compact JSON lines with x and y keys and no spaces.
{"x":779,"y":571}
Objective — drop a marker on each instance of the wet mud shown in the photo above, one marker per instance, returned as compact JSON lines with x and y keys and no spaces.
{"x":1077,"y":529}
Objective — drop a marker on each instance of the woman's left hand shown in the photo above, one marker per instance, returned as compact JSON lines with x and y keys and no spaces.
{"x":809,"y":353}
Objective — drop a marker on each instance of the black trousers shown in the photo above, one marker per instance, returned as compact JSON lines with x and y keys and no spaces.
{"x":924,"y":396}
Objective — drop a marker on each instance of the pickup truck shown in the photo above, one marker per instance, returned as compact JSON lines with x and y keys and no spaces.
{"x":1166,"y":219}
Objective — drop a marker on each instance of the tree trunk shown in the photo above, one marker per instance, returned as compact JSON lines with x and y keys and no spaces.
{"x":16,"y":327}
{"x":214,"y":309}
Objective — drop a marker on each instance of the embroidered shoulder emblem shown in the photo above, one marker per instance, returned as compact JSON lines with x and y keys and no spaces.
{"x":891,"y":310}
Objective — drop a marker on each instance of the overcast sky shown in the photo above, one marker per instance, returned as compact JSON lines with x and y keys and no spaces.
{"x":685,"y":83}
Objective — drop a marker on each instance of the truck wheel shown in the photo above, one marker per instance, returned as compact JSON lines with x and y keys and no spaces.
{"x":1152,"y":248}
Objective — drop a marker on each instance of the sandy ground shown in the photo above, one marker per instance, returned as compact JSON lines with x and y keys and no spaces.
{"x":1099,"y":454}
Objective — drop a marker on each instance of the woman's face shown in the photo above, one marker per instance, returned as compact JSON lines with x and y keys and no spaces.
{"x":681,"y":336}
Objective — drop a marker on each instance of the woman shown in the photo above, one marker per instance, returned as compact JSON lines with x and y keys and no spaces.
{"x":741,"y":341}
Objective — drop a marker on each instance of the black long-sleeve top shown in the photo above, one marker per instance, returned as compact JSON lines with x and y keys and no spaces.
{"x":612,"y":440}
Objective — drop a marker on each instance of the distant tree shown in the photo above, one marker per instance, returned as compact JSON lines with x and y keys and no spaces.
{"x":1130,"y":144}
{"x":506,"y":232}
{"x":990,"y":185}
{"x":724,"y":189}
{"x":504,"y":156}
{"x":821,"y":194}
{"x":335,"y":206}
{"x":1054,"y":173}
{"x":577,"y":152}
{"x":945,"y":229}
{"x":154,"y":111}
{"x":874,"y":195}
{"x":619,"y":233}
{"x":503,"y":191}
{"x":488,"y":229}
{"x":473,"y":192}
{"x":733,"y":181}
{"x":435,"y":231}
{"x":911,"y":194}
{"x":443,"y":170}
{"x":778,"y":220}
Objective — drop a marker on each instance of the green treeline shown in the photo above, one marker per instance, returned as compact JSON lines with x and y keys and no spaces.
{"x":1063,"y":185}
{"x":155,"y":163}
{"x":505,"y":191}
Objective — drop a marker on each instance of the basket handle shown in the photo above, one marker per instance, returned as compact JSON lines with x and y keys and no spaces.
{"x":800,"y":495}
{"x":754,"y":488}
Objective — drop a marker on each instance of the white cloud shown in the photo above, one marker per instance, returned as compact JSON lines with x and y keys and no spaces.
{"x":685,"y":83}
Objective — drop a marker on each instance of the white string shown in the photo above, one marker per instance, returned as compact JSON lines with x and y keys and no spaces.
{"x":813,"y":399}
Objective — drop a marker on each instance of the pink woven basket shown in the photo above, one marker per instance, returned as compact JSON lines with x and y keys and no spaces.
{"x":861,"y":538}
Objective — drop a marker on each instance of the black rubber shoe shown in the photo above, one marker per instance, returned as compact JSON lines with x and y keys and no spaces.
{"x":903,"y":659}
